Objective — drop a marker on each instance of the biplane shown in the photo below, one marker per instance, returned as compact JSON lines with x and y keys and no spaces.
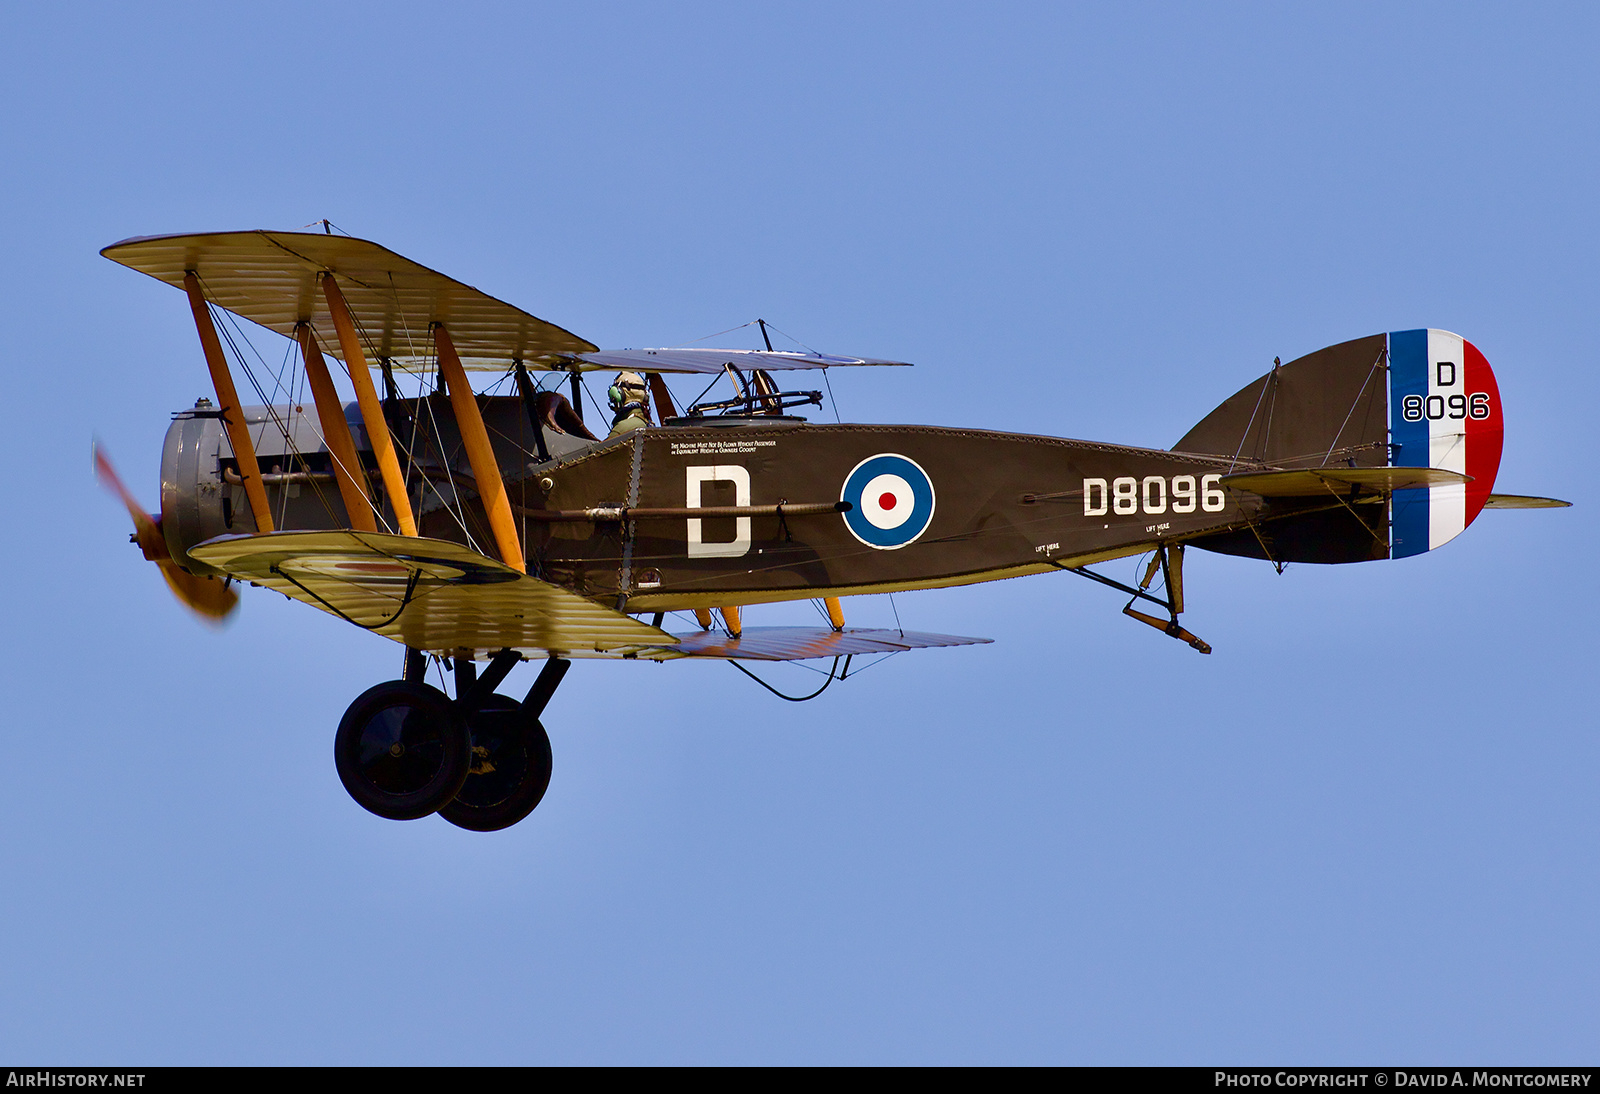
{"x":488,"y":527}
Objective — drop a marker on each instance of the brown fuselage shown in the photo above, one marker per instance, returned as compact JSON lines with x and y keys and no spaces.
{"x":1005,"y":505}
{"x":1002,"y":504}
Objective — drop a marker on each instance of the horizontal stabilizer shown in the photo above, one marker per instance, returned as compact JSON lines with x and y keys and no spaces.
{"x":1522,"y":501}
{"x":1320,"y":481}
{"x":800,"y":643}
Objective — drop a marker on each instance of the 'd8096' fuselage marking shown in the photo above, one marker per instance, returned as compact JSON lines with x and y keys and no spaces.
{"x":1153,"y":495}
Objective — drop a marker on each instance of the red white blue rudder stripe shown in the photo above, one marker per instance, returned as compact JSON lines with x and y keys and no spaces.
{"x":1444,"y":412}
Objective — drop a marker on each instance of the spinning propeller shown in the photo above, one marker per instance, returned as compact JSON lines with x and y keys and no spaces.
{"x":206,"y":596}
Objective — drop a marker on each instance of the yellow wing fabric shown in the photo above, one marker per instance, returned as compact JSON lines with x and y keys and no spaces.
{"x":271,"y":279}
{"x":430,"y":594}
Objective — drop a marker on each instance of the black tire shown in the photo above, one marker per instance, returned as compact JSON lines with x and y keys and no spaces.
{"x":402,"y":750}
{"x":510,"y":769}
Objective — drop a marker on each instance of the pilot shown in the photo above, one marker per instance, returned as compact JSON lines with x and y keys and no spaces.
{"x":630,"y":404}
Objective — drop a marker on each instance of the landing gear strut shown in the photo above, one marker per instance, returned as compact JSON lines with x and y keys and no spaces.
{"x":510,"y":757}
{"x":481,"y":761}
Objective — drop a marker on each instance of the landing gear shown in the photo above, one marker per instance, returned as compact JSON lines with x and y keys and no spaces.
{"x":510,"y":768}
{"x":402,"y":750}
{"x":481,"y":761}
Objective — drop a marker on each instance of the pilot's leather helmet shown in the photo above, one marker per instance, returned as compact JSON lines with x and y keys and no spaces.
{"x":627,"y":388}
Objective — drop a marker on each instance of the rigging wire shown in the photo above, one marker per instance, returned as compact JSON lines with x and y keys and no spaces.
{"x":1266,"y":382}
{"x":806,"y":667}
{"x":245,"y":365}
{"x":709,"y":386}
{"x":328,"y":227}
{"x":358,"y":473}
{"x":833,"y":400}
{"x":458,"y":510}
{"x":598,"y":409}
{"x":297,"y":380}
{"x":272,"y":411}
{"x":793,"y":339}
{"x":1377,"y":362}
{"x":719,"y":334}
{"x":411,"y":458}
{"x":295,"y":398}
{"x":416,"y":419}
{"x":849,"y":675}
{"x":489,"y":391}
{"x":231,"y":321}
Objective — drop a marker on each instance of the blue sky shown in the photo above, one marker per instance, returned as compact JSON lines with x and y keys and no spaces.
{"x":1365,"y":830}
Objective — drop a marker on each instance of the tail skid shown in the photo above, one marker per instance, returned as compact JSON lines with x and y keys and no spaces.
{"x":1169,"y":560}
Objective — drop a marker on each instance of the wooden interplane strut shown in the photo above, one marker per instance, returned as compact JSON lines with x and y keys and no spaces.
{"x":336,"y":434}
{"x":485,"y":468}
{"x":835,"y":612}
{"x":355,"y":358}
{"x":228,"y":404}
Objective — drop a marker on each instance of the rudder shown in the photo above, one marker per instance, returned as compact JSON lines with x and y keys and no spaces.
{"x":1444,"y":412}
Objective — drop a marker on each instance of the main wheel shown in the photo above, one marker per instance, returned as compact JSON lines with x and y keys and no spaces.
{"x":510,"y":769}
{"x":402,"y":750}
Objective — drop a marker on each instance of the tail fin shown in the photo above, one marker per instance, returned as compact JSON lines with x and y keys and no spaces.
{"x":1418,"y":398}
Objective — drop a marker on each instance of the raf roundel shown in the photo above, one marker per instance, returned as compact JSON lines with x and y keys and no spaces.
{"x":891,"y":501}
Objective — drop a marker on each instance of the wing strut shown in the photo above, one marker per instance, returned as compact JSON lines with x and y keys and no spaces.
{"x":730,"y":619}
{"x":662,"y":397}
{"x":228,"y":402}
{"x":394,"y":482}
{"x":530,"y":404}
{"x":485,"y":468}
{"x":835,"y":612}
{"x":336,"y":434}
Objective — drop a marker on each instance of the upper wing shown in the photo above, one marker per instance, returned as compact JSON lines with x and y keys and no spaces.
{"x":431,"y":594}
{"x":270,"y":278}
{"x":715,"y":360}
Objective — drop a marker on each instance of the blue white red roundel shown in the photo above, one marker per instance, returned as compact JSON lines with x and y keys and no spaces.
{"x":891,"y":501}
